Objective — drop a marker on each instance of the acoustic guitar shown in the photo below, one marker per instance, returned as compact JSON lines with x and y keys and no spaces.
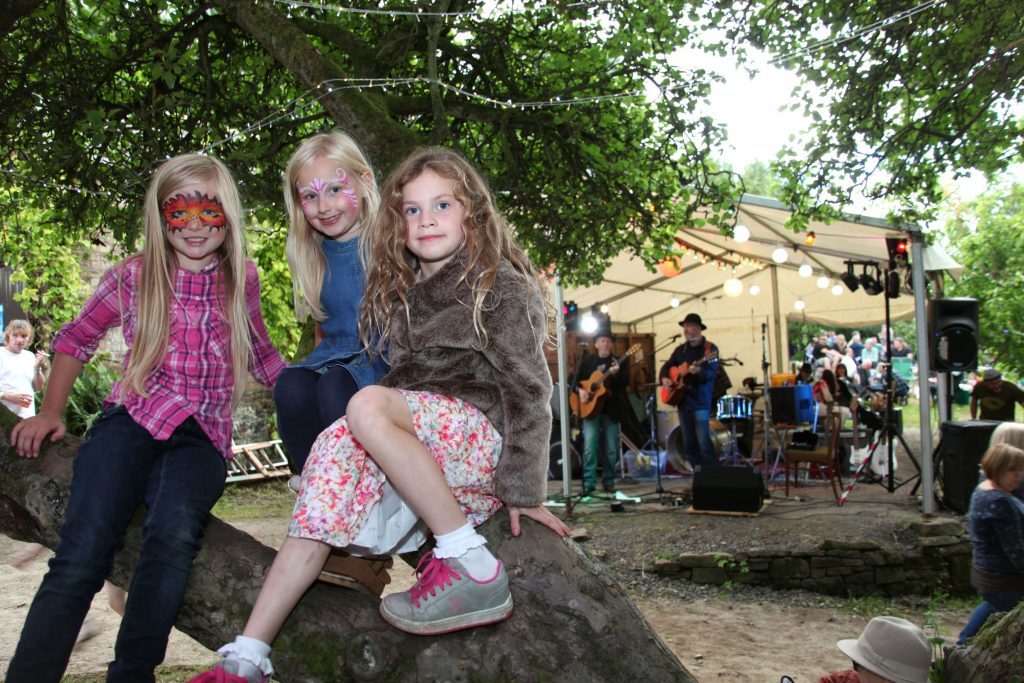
{"x":682,"y":380}
{"x":598,"y":391}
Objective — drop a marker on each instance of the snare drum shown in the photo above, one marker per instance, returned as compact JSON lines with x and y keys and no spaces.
{"x":735,"y":408}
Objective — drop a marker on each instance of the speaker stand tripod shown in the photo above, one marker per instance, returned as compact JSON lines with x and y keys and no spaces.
{"x":890,"y":431}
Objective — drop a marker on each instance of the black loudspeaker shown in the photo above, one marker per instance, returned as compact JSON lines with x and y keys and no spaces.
{"x":728,"y":489}
{"x":792,"y":404}
{"x":961,"y":448}
{"x":953,"y":333}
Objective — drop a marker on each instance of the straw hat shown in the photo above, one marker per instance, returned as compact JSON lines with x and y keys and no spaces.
{"x":891,"y":647}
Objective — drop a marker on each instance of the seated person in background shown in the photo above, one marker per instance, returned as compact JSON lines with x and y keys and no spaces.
{"x":995,"y":397}
{"x":805,"y":375}
{"x":900,"y":348}
{"x":889,"y":650}
{"x":825,"y":391}
{"x":997,"y":532}
{"x":870,"y":351}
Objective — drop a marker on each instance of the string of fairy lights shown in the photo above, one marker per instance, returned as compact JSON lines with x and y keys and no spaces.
{"x":491,"y":12}
{"x":835,"y":41}
{"x":314,"y":95}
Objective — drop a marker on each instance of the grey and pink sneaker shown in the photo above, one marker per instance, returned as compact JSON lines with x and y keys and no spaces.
{"x":446,"y":598}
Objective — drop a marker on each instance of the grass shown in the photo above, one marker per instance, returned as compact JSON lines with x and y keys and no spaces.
{"x":870,"y":606}
{"x":262,"y":499}
{"x":164,"y":674}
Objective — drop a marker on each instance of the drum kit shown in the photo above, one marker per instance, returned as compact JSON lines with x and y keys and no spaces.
{"x":734,"y":414}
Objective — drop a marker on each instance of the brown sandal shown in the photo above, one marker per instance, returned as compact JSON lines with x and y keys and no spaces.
{"x":366,"y":574}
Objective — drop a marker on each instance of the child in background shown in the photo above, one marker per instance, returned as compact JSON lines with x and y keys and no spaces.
{"x":188,"y":305}
{"x":458,"y":427}
{"x":21,"y":371}
{"x":329,"y":191}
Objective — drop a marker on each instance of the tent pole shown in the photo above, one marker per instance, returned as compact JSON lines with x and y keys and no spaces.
{"x":923,"y":369}
{"x":779,"y":367}
{"x":563,"y":389}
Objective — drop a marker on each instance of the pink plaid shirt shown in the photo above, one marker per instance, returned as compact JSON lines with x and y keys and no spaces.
{"x":195,"y":378}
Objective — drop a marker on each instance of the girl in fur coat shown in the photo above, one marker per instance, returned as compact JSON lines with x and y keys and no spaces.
{"x":457,"y":428}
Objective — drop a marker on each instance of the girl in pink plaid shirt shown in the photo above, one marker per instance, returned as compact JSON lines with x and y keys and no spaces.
{"x":188,"y":305}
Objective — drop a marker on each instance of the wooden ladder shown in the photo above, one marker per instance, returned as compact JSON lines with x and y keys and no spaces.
{"x":262,"y":460}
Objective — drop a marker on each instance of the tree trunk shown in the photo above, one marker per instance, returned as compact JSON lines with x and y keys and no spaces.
{"x":571,"y":621}
{"x":995,"y":654}
{"x":361,"y":112}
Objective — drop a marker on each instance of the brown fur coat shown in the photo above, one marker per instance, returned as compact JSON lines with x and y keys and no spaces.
{"x":508,"y":380}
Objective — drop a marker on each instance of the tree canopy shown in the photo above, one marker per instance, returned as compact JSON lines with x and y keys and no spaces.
{"x":589,"y":137}
{"x":593,"y":139}
{"x":987,"y":238}
{"x":899,"y":93}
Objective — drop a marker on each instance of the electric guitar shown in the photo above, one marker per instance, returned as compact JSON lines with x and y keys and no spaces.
{"x":596,"y":388}
{"x":682,"y":380}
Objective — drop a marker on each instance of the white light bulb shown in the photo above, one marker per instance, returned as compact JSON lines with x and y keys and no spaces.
{"x":754,"y":290}
{"x":780,"y":255}
{"x":806,"y":270}
{"x":799,"y":304}
{"x":823,"y":282}
{"x":673,"y":302}
{"x":732,"y":287}
{"x":740,"y":233}
{"x":588,"y":324}
{"x":837,"y":289}
{"x":604,"y":308}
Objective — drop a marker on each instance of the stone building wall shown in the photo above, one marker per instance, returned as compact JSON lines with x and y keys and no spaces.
{"x":940,"y":561}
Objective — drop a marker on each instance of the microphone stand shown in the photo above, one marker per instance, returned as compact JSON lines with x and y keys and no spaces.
{"x":766,"y":435}
{"x":652,"y":440}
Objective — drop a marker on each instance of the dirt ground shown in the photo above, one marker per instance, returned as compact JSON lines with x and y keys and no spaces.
{"x":739,"y":634}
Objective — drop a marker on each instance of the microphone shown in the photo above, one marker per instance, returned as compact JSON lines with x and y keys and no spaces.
{"x":675,"y":337}
{"x":764,"y":326}
{"x":738,"y":361}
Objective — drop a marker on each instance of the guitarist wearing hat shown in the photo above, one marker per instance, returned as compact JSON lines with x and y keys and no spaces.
{"x":688,"y":380}
{"x":601,"y":427}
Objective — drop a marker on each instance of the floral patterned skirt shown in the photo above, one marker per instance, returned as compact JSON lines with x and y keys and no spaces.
{"x":346,"y":501}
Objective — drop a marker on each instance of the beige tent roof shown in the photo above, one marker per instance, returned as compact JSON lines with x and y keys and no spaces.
{"x":640,"y":300}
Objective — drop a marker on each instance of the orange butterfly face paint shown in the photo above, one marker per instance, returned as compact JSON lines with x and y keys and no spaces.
{"x":192,"y":210}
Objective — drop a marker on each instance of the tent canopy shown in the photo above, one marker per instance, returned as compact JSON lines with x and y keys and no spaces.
{"x":641,"y":300}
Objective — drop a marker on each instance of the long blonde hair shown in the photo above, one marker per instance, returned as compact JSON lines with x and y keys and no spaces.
{"x":393,"y":267}
{"x":160,"y":263}
{"x":304,"y":246}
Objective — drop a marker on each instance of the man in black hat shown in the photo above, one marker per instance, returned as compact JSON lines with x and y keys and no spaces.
{"x":996,"y":398}
{"x":606,"y":418}
{"x":701,"y":365}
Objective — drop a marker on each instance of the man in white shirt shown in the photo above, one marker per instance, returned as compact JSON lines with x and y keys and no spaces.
{"x":21,"y":371}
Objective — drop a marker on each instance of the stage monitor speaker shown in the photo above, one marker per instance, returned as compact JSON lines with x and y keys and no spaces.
{"x":728,"y":489}
{"x":953,"y":332}
{"x":962,"y":445}
{"x":792,"y":404}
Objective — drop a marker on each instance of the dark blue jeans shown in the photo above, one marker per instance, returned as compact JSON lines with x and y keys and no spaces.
{"x":695,"y":427}
{"x":991,"y":603}
{"x":308,"y":402}
{"x":600,"y":444}
{"x":119,"y":466}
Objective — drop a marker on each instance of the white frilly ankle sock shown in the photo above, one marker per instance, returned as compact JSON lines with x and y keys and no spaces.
{"x":470,"y":548}
{"x":250,"y":654}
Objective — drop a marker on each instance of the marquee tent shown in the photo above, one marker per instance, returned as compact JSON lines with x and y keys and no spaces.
{"x":765,"y":294}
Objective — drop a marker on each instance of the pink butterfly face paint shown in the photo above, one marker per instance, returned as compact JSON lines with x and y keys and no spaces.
{"x":329,"y":189}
